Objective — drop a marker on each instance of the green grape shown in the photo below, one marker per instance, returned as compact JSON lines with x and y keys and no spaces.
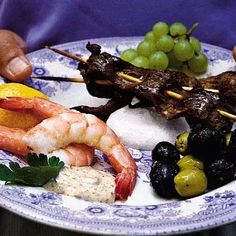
{"x":165,"y":43}
{"x":160,"y":28}
{"x":198,"y":63}
{"x":140,"y":61}
{"x":173,"y":61}
{"x":149,"y":36}
{"x":183,"y":50}
{"x":158,"y":60}
{"x":128,"y":55}
{"x":146,"y":48}
{"x":195,"y":44}
{"x":177,"y":28}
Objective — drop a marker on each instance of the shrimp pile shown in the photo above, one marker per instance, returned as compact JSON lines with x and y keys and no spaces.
{"x":65,"y":130}
{"x":11,"y":139}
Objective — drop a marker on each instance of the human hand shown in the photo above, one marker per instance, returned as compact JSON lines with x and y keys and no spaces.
{"x":13,"y":64}
{"x":234,"y":52}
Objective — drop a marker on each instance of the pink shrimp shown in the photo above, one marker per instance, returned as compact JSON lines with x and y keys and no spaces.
{"x":11,"y":139}
{"x":75,"y":154}
{"x":67,"y":127}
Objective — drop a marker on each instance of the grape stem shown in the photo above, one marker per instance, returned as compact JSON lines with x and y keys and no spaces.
{"x":190,"y":31}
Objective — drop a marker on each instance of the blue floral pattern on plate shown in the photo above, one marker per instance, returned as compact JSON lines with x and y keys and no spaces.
{"x":143,"y":213}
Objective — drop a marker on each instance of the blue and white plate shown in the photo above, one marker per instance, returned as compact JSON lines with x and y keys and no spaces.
{"x":143,"y":213}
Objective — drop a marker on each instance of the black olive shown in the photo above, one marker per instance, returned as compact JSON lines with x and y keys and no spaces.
{"x":220,"y":171}
{"x":232,"y":144}
{"x":162,"y":179}
{"x":165,"y":152}
{"x":206,"y":143}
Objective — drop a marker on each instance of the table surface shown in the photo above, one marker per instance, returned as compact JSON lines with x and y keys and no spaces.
{"x":14,"y":225}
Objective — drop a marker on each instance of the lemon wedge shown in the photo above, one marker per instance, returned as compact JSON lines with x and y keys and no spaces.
{"x":16,"y":119}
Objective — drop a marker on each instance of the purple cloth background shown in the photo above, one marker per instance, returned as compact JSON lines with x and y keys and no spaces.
{"x":42,"y":22}
{"x":50,"y":22}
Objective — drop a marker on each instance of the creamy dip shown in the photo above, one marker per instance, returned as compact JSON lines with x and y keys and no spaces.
{"x":85,"y":183}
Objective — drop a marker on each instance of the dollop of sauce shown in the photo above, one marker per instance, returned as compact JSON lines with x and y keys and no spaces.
{"x":86,"y":183}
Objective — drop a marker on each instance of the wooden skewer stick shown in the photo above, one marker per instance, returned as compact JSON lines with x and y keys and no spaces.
{"x":180,"y":97}
{"x":186,"y":88}
{"x":212,"y":90}
{"x":54,"y":78}
{"x":227,"y":114}
{"x":129,"y":77}
{"x":137,"y":80}
{"x":174,"y":95}
{"x":120,"y":74}
{"x":81,"y":59}
{"x":67,"y":54}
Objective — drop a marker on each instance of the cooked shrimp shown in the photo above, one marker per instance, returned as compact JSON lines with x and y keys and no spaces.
{"x":75,"y":154}
{"x":41,"y":107}
{"x":11,"y":139}
{"x":68,"y":127}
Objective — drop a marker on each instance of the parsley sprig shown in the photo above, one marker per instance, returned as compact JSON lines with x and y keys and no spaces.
{"x":41,"y":170}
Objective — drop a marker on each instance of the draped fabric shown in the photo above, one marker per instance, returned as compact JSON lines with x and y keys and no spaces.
{"x":42,"y":22}
{"x":50,"y":22}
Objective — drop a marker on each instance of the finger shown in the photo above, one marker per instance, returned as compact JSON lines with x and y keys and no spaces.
{"x":13,"y":63}
{"x":234,"y":52}
{"x":20,"y":42}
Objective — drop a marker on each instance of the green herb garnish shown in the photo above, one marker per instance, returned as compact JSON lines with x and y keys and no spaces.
{"x":40,"y":170}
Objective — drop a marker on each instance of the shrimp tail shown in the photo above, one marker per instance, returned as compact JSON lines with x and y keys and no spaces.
{"x":41,"y":107}
{"x":16,"y":103}
{"x":125,"y":182}
{"x":11,"y":141}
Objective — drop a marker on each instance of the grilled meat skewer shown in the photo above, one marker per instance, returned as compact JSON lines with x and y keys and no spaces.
{"x":225,"y":83}
{"x":197,"y":105}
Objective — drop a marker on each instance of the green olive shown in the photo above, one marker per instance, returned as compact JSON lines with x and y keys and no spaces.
{"x":190,"y":161}
{"x":181,"y":143}
{"x":190,"y":182}
{"x":228,"y":137}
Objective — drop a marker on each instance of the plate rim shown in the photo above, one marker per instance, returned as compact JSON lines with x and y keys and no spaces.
{"x":68,"y":227}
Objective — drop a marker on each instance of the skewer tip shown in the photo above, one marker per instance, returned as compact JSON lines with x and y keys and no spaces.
{"x":174,"y":95}
{"x":227,"y":115}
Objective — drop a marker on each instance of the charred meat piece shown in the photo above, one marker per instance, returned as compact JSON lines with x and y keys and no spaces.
{"x":200,"y":103}
{"x":99,"y":74}
{"x":225,"y":83}
{"x":118,"y":101}
{"x":153,"y":89}
{"x":154,"y":86}
{"x":185,"y":80}
{"x":95,"y":72}
{"x":198,"y":106}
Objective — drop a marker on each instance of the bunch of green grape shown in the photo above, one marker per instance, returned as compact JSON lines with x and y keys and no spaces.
{"x":168,"y":47}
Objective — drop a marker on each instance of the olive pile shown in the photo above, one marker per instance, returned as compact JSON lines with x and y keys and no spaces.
{"x":164,"y":168}
{"x":208,"y":162}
